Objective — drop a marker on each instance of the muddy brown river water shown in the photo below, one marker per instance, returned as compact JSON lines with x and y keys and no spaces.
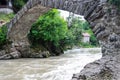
{"x":53,"y":68}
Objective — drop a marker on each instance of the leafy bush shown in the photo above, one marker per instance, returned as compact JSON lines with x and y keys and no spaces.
{"x":74,"y":36}
{"x":18,"y":4}
{"x":93,"y":41}
{"x":6,"y":17}
{"x":3,"y":31}
{"x":68,"y":41}
{"x":86,"y":25}
{"x":50,"y":27}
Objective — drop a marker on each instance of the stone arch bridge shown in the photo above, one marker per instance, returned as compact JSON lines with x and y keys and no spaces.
{"x":105,"y":23}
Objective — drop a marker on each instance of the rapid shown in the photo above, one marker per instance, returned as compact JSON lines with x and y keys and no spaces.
{"x":53,"y":68}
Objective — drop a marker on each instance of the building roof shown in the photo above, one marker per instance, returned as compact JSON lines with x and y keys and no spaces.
{"x":86,"y":34}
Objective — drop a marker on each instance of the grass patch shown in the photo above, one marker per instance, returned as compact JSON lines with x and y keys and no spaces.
{"x":6,"y":17}
{"x":3,"y":35}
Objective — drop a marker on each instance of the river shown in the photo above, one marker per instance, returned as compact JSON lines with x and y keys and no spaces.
{"x":53,"y":68}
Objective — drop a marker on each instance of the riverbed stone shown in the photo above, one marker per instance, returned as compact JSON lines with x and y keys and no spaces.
{"x":13,"y":49}
{"x":15,"y":55}
{"x":106,"y":68}
{"x":2,"y":52}
{"x":5,"y":57}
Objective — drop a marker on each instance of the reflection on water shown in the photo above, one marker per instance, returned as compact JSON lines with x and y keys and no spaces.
{"x":53,"y":68}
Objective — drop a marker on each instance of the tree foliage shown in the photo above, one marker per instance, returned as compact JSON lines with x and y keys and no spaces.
{"x":50,"y":27}
{"x":93,"y":40}
{"x":18,"y":4}
{"x":74,"y":33}
{"x":76,"y":28}
{"x":3,"y":32}
{"x":86,"y":25}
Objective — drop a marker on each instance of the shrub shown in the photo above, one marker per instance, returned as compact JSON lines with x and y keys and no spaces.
{"x":18,"y":4}
{"x":93,"y":41}
{"x":6,"y":17}
{"x":50,"y":27}
{"x":74,"y":34}
{"x":3,"y":31}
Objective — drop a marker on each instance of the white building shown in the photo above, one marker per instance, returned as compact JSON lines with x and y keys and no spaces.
{"x":86,"y":37}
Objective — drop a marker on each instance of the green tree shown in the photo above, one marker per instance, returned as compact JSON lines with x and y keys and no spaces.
{"x":76,"y":28}
{"x":18,"y":4}
{"x":86,"y":26}
{"x":93,"y":40}
{"x":3,"y":32}
{"x":50,"y":27}
{"x":48,"y":31}
{"x":73,"y":37}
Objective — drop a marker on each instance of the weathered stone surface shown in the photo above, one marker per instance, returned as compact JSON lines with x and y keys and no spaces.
{"x":26,"y":21}
{"x":5,"y":57}
{"x":2,"y":52}
{"x":107,"y":68}
{"x":11,"y":53}
{"x":106,"y":30}
{"x":15,"y":55}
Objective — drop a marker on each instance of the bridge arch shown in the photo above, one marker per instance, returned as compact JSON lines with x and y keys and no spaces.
{"x":99,"y":14}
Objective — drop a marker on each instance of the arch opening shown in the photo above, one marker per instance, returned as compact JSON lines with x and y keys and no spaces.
{"x":96,"y":12}
{"x":81,"y":27}
{"x":57,"y":32}
{"x":29,"y":14}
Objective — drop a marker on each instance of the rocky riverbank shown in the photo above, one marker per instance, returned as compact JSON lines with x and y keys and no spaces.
{"x":107,"y":68}
{"x":24,"y":50}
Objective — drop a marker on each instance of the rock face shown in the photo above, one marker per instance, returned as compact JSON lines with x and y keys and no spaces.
{"x":22,"y":50}
{"x":106,"y":29}
{"x":107,"y":68}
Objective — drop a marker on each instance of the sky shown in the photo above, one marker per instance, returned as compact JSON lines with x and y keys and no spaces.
{"x":65,"y":14}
